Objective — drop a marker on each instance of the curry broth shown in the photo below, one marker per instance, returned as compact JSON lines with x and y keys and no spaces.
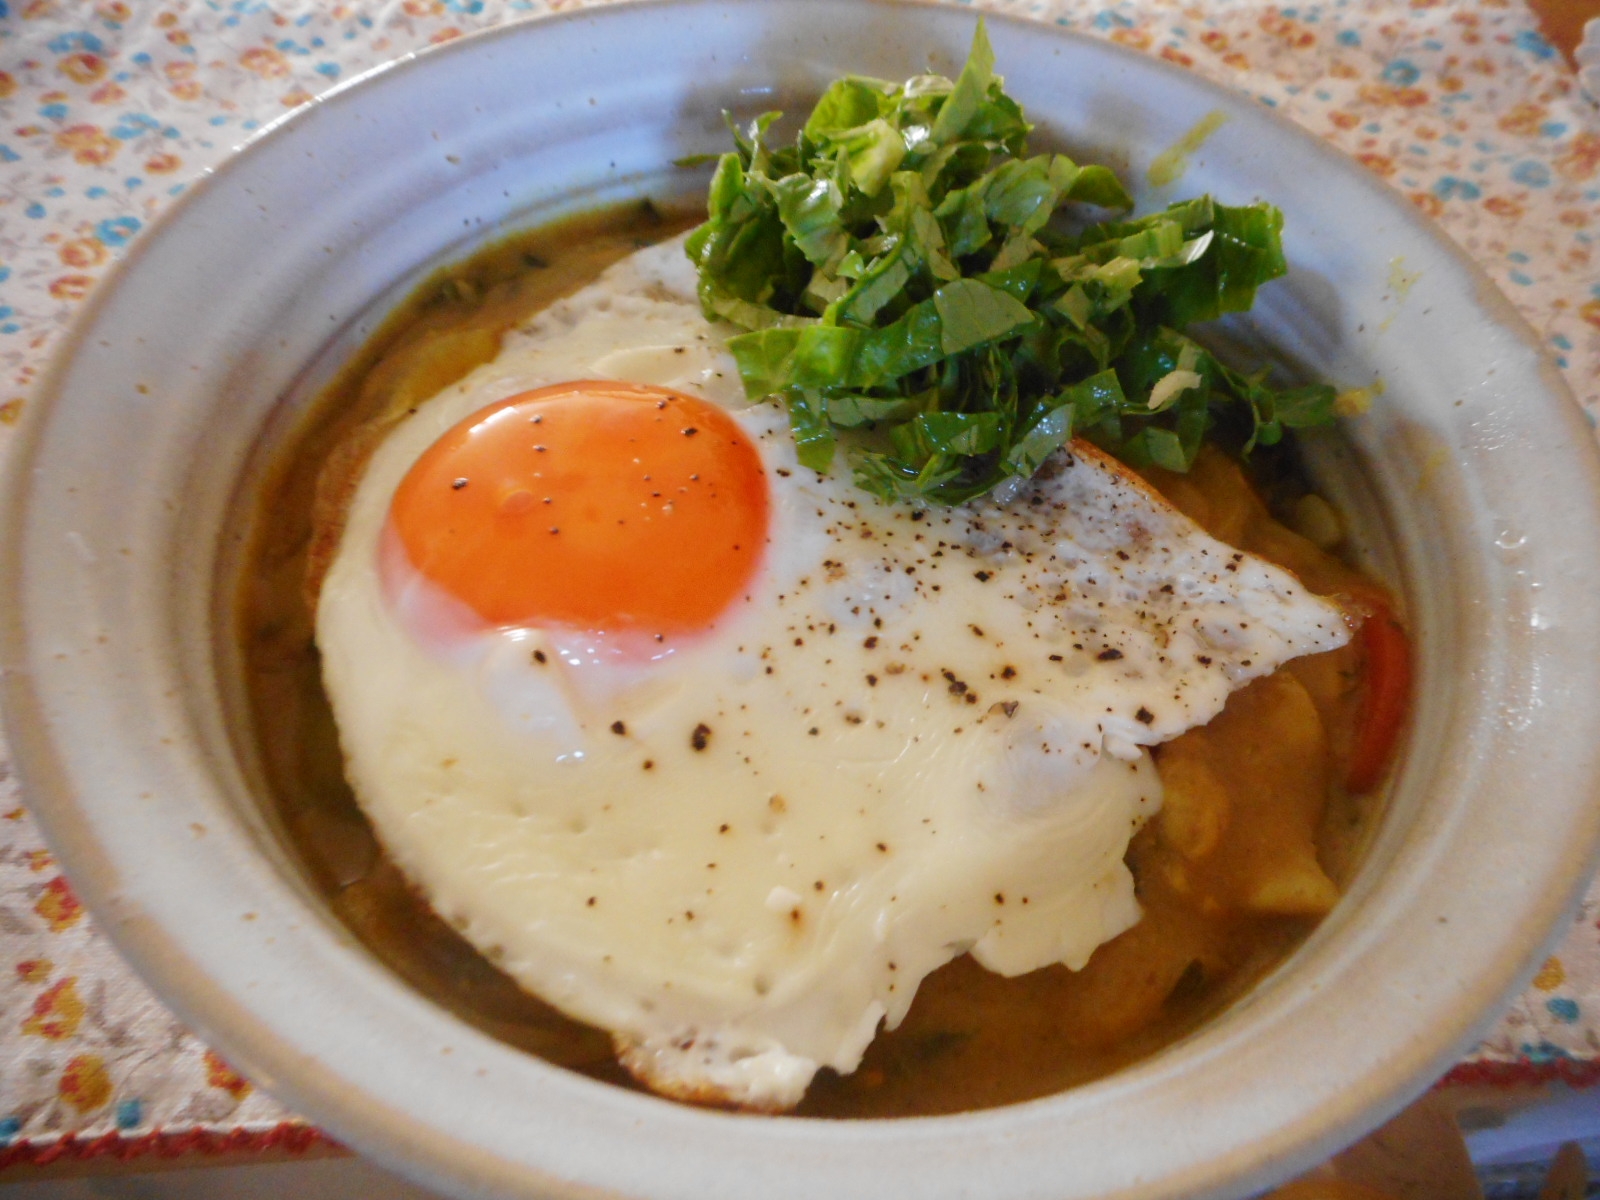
{"x":1254,"y":836}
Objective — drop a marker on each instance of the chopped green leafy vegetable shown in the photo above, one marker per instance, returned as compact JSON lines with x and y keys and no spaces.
{"x":911,"y":283}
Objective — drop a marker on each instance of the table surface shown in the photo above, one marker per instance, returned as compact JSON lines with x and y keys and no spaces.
{"x":1467,"y":109}
{"x":1562,"y":21}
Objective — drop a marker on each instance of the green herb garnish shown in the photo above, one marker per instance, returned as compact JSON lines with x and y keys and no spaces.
{"x":912,"y":283}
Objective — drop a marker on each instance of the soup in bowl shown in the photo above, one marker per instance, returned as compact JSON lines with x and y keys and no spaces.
{"x":126,"y":683}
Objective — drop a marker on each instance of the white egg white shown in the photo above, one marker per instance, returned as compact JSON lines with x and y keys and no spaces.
{"x":921,"y":734}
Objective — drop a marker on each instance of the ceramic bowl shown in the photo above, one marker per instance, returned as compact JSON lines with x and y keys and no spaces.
{"x":122,"y":517}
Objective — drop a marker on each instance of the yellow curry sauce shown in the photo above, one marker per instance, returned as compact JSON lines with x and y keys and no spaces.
{"x":1255,"y":835}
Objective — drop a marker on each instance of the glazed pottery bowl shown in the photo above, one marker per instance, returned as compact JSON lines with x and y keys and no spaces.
{"x":123,"y":516}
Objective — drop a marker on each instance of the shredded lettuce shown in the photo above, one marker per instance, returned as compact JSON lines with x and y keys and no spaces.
{"x":911,"y":284}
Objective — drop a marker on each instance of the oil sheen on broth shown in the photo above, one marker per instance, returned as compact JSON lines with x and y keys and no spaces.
{"x":1255,"y":832}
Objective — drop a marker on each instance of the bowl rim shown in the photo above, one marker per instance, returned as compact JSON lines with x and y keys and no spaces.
{"x":40,"y":763}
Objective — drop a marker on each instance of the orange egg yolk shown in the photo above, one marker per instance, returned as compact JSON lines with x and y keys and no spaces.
{"x":608,"y":507}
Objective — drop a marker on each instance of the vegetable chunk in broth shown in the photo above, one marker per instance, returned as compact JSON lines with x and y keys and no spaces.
{"x":1257,"y":831}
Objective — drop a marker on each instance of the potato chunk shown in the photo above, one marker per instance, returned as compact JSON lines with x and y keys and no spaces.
{"x":1258,"y":772}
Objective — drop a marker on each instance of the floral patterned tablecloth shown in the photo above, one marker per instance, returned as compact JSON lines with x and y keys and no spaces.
{"x":107,"y":109}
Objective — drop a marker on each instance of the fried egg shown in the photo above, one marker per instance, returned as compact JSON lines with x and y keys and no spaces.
{"x":725,"y":756}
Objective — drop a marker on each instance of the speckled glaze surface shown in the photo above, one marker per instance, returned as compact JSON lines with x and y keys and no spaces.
{"x":121,"y":520}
